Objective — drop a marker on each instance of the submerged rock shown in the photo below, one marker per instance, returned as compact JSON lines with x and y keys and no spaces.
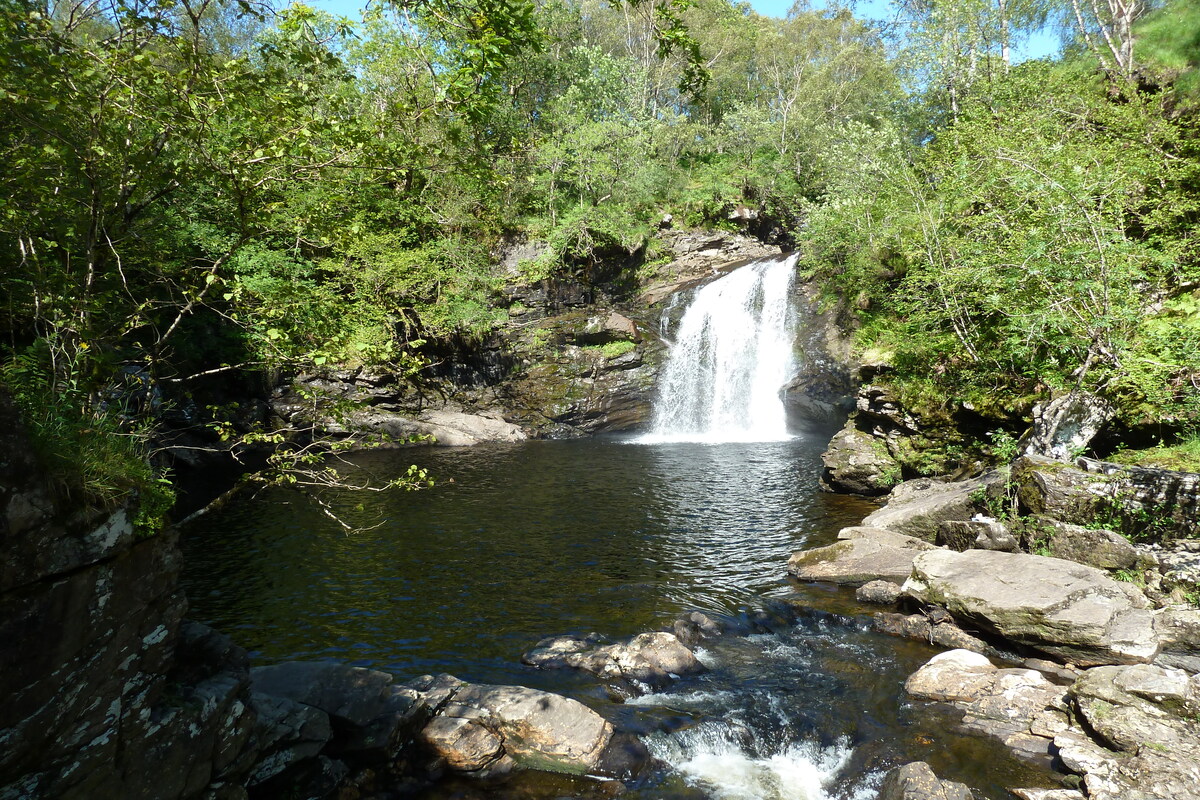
{"x":863,"y":554}
{"x":485,"y":730}
{"x":692,"y":628}
{"x":647,"y":661}
{"x":923,"y":628}
{"x":1069,"y":610}
{"x":917,"y":781}
{"x":1048,"y":794}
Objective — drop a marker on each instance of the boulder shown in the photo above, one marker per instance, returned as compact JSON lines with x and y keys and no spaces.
{"x":610,"y":327}
{"x":1066,"y":425}
{"x":863,"y":554}
{"x":1048,"y":794}
{"x":918,"y":507}
{"x":1143,"y":741}
{"x":879,"y":592}
{"x":917,"y":781}
{"x":1096,"y":547}
{"x":1068,"y":610}
{"x":647,"y":661}
{"x":1020,"y":707}
{"x":859,"y":463}
{"x":487,"y":730}
{"x":977,"y":534}
{"x":691,"y":629}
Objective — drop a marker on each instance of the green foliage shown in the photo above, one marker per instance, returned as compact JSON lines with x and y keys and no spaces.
{"x":1015,"y":254}
{"x":616,"y":349}
{"x":91,"y":440}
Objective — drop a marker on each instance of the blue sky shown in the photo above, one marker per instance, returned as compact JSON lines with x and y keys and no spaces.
{"x":1041,"y":44}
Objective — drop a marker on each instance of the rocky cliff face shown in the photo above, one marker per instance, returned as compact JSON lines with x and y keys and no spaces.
{"x":106,"y":691}
{"x":89,"y":626}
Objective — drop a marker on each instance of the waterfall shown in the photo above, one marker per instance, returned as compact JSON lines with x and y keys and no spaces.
{"x":732,"y":355}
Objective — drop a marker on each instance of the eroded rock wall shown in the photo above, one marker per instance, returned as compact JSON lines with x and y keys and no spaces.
{"x":89,"y":625}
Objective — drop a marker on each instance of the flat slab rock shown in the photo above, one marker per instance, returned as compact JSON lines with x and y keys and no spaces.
{"x":863,"y":554}
{"x":918,"y":507}
{"x":1072,"y":611}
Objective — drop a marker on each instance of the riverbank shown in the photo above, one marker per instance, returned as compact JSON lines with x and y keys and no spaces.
{"x":1072,"y":644}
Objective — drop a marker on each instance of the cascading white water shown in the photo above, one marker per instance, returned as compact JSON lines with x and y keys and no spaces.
{"x":732,"y":355}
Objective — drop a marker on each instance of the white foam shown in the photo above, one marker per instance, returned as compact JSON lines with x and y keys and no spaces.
{"x":685,"y":699}
{"x":732,"y":355}
{"x":712,"y":757}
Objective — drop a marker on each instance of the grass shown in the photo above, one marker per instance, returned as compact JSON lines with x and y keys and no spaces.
{"x":1183,"y":457}
{"x":1169,"y":39}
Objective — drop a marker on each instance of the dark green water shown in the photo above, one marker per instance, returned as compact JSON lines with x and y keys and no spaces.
{"x":525,"y":541}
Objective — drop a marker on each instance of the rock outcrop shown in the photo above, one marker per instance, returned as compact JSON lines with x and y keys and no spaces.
{"x":1069,"y":610}
{"x":1141,"y":501}
{"x":97,"y":698}
{"x":700,"y":254}
{"x":1127,"y":731}
{"x":862,"y":554}
{"x":1065,"y":426}
{"x":1017,"y":706}
{"x":1178,"y":630}
{"x":647,"y":661}
{"x":864,"y":456}
{"x":859,"y":463}
{"x":1139,"y":738}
